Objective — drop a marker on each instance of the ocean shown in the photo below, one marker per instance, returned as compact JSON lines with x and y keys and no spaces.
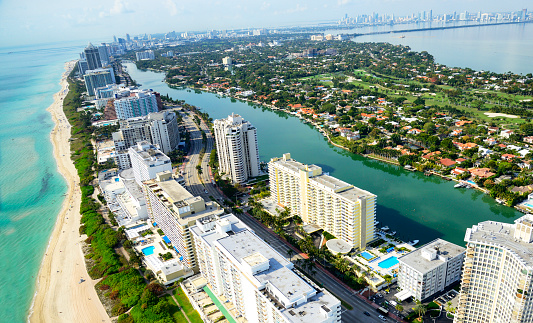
{"x":31,"y":189}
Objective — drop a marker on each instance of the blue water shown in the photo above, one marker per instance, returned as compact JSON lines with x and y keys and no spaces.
{"x":366,"y":255}
{"x":148,"y":250}
{"x":31,"y":190}
{"x":387,"y":263}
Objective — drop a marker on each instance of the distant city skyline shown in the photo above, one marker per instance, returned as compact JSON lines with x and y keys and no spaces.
{"x":63,"y":20}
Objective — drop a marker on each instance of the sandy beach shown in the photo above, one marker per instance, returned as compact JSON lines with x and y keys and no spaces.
{"x":59,"y":296}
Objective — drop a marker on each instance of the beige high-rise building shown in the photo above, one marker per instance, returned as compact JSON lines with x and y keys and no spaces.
{"x":175,"y":210}
{"x":236,"y":142}
{"x":498,"y":273}
{"x":341,"y":209}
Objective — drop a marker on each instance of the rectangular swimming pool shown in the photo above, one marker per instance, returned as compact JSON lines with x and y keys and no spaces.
{"x":387,"y":263}
{"x":367,"y":255}
{"x":148,"y":250}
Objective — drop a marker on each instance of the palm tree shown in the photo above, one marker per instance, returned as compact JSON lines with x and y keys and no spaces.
{"x":421,"y":310}
{"x":399,"y":307}
{"x":290,"y":253}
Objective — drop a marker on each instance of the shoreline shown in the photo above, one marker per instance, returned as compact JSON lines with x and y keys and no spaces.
{"x":59,"y":296}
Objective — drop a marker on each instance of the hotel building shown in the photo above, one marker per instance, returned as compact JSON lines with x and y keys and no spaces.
{"x":261,"y":284}
{"x":430,"y":269}
{"x":498,"y":273}
{"x":339,"y":208}
{"x":175,"y":210}
{"x":147,"y":161}
{"x":158,"y":128}
{"x":236,"y":142}
{"x":135,"y":103}
{"x":98,"y":78}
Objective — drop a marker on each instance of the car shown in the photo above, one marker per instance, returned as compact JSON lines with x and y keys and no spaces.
{"x":382,"y":317}
{"x":366,"y":313}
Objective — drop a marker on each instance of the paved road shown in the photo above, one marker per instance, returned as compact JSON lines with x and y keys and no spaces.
{"x":198,"y":185}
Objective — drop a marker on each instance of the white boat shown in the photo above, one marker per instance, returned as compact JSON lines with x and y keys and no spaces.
{"x":376,"y":223}
{"x":413,"y":243}
{"x":393,"y":233}
{"x":385,"y":228}
{"x":458,"y":185}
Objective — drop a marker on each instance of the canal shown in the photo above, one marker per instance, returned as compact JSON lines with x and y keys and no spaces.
{"x":416,"y":206}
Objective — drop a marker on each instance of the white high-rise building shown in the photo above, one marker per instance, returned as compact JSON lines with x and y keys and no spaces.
{"x":236,"y":141}
{"x":430,"y":269}
{"x":341,"y":209}
{"x":147,"y":161}
{"x":158,"y":128}
{"x":261,"y":284}
{"x":98,"y":78}
{"x":175,"y":210}
{"x":135,"y":103}
{"x":146,"y":55}
{"x":498,"y":273}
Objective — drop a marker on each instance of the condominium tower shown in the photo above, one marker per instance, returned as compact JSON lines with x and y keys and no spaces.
{"x":92,"y":55}
{"x":175,"y":210}
{"x":498,"y":273}
{"x":136,"y":103}
{"x":259,"y":283}
{"x":236,"y":142}
{"x":98,"y":78}
{"x":342,"y":209}
{"x":147,"y":161}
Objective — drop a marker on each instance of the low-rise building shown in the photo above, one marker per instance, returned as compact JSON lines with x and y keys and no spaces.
{"x":430,"y":268}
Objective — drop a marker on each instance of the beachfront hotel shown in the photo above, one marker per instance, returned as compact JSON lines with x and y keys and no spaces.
{"x":429,"y":269}
{"x":339,"y":208}
{"x":147,"y":161}
{"x":136,"y":103}
{"x":498,"y":273}
{"x":98,"y":78}
{"x":236,"y":142}
{"x":175,"y":210}
{"x":158,"y":128}
{"x":260,"y":284}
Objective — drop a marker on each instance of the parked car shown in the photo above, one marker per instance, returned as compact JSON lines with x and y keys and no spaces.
{"x":366,"y":313}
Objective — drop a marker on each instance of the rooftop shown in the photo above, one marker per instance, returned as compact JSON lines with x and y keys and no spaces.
{"x":441,"y":251}
{"x":503,"y":235}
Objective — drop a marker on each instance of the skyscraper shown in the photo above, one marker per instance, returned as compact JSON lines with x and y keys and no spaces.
{"x":98,"y":78}
{"x":104,"y":57}
{"x":498,"y":273}
{"x":339,"y":208}
{"x":147,"y":161}
{"x":135,"y":103}
{"x":92,"y":56}
{"x":236,"y":142}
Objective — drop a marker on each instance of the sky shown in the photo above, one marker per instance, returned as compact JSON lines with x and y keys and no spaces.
{"x":38,"y":21}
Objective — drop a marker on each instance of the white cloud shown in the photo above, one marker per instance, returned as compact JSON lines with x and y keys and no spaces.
{"x":343,"y":2}
{"x":298,"y":8}
{"x":118,"y":8}
{"x":171,"y":5}
{"x":265,"y":5}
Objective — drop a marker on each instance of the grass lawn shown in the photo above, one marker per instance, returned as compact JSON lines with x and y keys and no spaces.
{"x":186,"y":306}
{"x":175,"y":312}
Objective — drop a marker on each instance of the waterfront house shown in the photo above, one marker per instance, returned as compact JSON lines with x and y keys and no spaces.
{"x":446,"y":162}
{"x":481,"y":172}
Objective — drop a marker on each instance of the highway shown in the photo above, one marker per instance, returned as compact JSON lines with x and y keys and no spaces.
{"x":199,"y":184}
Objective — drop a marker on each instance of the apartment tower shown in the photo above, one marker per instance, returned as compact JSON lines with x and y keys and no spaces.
{"x":236,"y":142}
{"x":339,"y":208}
{"x":498,"y":273}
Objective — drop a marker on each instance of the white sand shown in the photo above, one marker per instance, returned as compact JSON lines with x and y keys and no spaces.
{"x":59,"y":296}
{"x":492,"y":115}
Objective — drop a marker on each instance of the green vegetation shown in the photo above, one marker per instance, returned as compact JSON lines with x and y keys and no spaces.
{"x":186,"y":306}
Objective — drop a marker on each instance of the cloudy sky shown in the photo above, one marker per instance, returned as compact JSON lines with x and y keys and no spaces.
{"x":38,"y":21}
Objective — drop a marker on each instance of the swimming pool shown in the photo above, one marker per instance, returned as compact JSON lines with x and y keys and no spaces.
{"x":528,"y":204}
{"x":148,"y":250}
{"x":387,"y":263}
{"x":367,"y":255}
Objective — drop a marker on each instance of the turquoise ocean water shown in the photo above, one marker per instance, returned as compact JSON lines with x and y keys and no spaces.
{"x":31,"y":189}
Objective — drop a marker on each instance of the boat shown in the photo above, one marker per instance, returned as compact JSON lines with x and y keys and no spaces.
{"x":376,"y":223}
{"x":385,"y":228}
{"x":414,"y":242}
{"x":500,"y":201}
{"x":458,"y":185}
{"x":402,"y":36}
{"x":393,"y":233}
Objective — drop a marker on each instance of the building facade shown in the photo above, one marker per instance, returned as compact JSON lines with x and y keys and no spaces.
{"x":92,"y":55}
{"x":498,"y":273}
{"x":236,"y":142}
{"x":146,"y":55}
{"x":339,"y":208}
{"x":261,"y":284}
{"x":158,"y":128}
{"x":98,"y":78}
{"x":430,"y":269}
{"x":136,"y":103}
{"x":175,"y":210}
{"x":147,"y":161}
